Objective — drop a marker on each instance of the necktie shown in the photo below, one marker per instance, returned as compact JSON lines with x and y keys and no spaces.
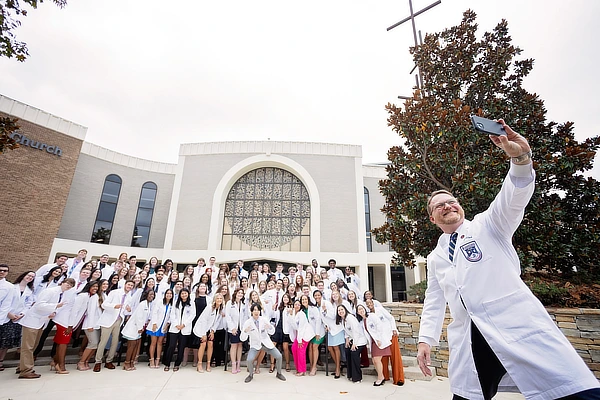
{"x":122,"y":302}
{"x":75,"y":262}
{"x":256,"y":323}
{"x":452,"y":245}
{"x":78,"y":284}
{"x":277,"y":298}
{"x":60,"y":297}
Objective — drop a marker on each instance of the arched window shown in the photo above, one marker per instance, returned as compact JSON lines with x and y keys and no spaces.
{"x":368,"y":220}
{"x":107,"y":209}
{"x":143,"y":220}
{"x":267,"y":209}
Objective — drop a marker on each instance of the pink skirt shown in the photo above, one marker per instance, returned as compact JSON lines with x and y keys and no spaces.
{"x":377,"y":352}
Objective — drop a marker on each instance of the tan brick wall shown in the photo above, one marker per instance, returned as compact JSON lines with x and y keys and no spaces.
{"x":580,"y":325}
{"x":34,"y":186}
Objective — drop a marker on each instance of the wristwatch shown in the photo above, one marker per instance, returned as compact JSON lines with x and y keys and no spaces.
{"x":523,"y":158}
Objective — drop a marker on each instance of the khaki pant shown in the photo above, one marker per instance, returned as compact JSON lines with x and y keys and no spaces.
{"x":29,"y":340}
{"x":105,"y":333}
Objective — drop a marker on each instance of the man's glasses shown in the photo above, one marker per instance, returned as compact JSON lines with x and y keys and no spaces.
{"x":440,"y":206}
{"x":3,"y":270}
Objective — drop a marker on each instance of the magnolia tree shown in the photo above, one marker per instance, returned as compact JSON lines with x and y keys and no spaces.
{"x":465,"y":75}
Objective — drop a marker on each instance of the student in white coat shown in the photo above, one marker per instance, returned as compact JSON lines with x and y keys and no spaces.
{"x":316,"y":323}
{"x":379,"y":336}
{"x":236,"y":313}
{"x":180,"y":328}
{"x":68,"y":318}
{"x":301,"y":332}
{"x":135,"y":326}
{"x":356,"y":341}
{"x":205,"y":328}
{"x":257,"y":329}
{"x":395,"y":358}
{"x":91,"y":325}
{"x":501,"y":334}
{"x":110,"y":324}
{"x":335,"y":332}
{"x":11,"y":311}
{"x":34,"y":321}
{"x":158,"y":326}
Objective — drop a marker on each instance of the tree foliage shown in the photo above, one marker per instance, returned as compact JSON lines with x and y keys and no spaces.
{"x":463,"y":75}
{"x":7,"y":127}
{"x":10,"y":14}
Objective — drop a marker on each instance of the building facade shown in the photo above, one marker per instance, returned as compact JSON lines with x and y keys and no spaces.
{"x":271,"y":201}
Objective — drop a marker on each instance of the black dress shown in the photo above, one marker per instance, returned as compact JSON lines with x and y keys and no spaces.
{"x":200,"y":303}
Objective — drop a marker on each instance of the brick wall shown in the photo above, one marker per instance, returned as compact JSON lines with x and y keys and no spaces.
{"x":580,"y":325}
{"x":34,"y":186}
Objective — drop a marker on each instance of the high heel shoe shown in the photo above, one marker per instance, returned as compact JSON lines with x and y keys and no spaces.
{"x":378,"y":384}
{"x":60,"y":370}
{"x":151,"y":363}
{"x":52,"y":366}
{"x":81,"y":366}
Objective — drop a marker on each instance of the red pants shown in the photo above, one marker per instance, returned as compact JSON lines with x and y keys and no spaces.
{"x":396,"y":359}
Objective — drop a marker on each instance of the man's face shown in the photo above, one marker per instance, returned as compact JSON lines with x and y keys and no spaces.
{"x":240,"y":265}
{"x":446,"y":212}
{"x":133,"y":261}
{"x":159,"y":275}
{"x":82,"y":254}
{"x":65,"y":286}
{"x":84,"y":274}
{"x":299,"y":267}
{"x":212,"y":261}
{"x":332,"y":264}
{"x":279,"y":268}
{"x":61,"y":261}
{"x":128,"y":286}
{"x":3,"y":272}
{"x":178,"y":287}
{"x":104,"y":259}
{"x":348,"y":271}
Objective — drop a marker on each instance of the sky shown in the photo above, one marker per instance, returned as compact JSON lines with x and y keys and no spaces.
{"x":147,"y":76}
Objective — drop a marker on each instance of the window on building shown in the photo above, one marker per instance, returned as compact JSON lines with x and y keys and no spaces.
{"x":107,"y":209}
{"x":368,"y":220}
{"x":143,"y":219}
{"x":267,"y":209}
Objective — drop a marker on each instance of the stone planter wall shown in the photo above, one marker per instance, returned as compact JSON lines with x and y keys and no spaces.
{"x":580,"y":325}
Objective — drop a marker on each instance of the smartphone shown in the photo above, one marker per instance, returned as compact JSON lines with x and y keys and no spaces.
{"x":487,"y":126}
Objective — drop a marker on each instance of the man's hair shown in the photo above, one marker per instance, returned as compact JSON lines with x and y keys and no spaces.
{"x":330,"y":260}
{"x":432,"y":195}
{"x":69,"y":281}
{"x":255,"y":305}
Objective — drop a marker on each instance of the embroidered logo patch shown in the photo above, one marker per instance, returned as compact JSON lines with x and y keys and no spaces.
{"x":471,"y":251}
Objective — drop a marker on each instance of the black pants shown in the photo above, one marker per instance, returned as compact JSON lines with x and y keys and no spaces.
{"x":353,"y":363}
{"x":175,"y":340}
{"x":218,"y":356}
{"x":43,"y":338}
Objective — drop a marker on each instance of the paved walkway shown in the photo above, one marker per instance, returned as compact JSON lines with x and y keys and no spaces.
{"x":147,"y":384}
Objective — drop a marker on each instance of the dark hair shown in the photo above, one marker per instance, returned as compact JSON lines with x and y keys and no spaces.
{"x":88,"y":286}
{"x":21,"y":277}
{"x":181,"y":302}
{"x":47,"y":277}
{"x":309,"y":302}
{"x":243,"y":300}
{"x":281,"y":305}
{"x":330,"y":260}
{"x":146,"y":283}
{"x":170,"y":301}
{"x":321,"y":293}
{"x":358,"y":317}
{"x":101,"y":294}
{"x":160,"y":267}
{"x":112,"y":286}
{"x":145,"y":293}
{"x":338,"y":319}
{"x":255,"y":305}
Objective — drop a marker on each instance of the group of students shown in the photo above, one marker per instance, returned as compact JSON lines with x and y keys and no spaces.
{"x":205,"y":309}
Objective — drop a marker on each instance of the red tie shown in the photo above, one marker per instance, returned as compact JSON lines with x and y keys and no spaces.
{"x":277,"y":297}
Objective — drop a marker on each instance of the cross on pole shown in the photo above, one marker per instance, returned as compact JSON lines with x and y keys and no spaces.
{"x":418,"y":78}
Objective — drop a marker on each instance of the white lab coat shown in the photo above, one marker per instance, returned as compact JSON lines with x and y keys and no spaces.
{"x":378,"y":328}
{"x":235,"y":315}
{"x":160,"y":315}
{"x":258,"y":337}
{"x":111,"y":314}
{"x":300,"y":329}
{"x":328,"y":318}
{"x":209,"y":320}
{"x":138,"y":320}
{"x":93,"y":313}
{"x":486,"y":275}
{"x":315,"y":321}
{"x":22,"y":302}
{"x":39,"y":314}
{"x":355,"y":331}
{"x":184,"y":318}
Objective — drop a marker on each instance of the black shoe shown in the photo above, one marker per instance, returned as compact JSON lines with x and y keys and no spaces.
{"x":248,"y":379}
{"x":400,"y":383}
{"x":378,"y":384}
{"x":281,"y":377}
{"x":336,"y":377}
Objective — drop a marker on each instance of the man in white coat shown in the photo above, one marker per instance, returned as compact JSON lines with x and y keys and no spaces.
{"x":258,"y":329}
{"x":501,"y":335}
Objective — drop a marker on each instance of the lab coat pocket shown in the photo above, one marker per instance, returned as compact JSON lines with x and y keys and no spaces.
{"x":515,"y":316}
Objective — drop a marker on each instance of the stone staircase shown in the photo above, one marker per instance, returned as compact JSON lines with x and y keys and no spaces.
{"x":411,"y":367}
